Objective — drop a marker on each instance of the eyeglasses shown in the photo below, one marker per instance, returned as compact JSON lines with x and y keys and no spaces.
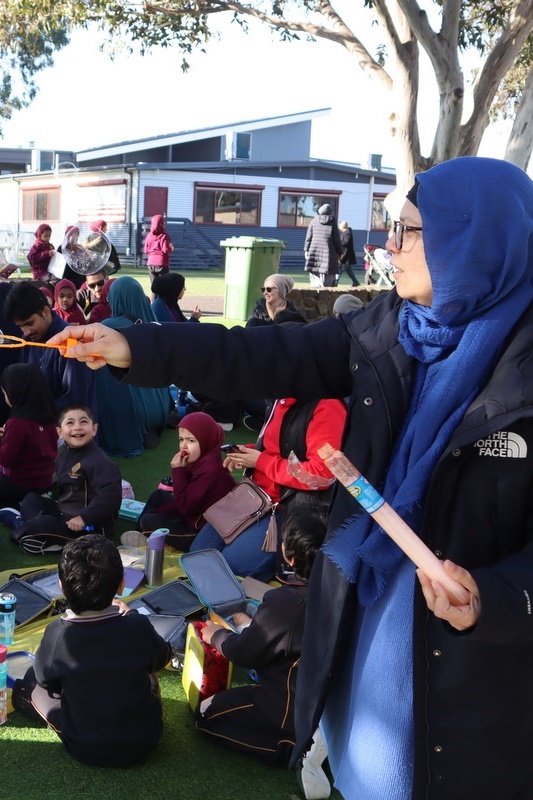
{"x":398,"y":232}
{"x":268,"y":289}
{"x":96,"y":283}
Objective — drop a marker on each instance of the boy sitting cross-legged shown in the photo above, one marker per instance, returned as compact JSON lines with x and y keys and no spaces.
{"x":89,"y":490}
{"x":93,"y":680}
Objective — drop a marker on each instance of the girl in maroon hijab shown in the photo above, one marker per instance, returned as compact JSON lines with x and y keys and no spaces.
{"x":41,"y":252}
{"x":66,"y":305}
{"x":198,"y":481}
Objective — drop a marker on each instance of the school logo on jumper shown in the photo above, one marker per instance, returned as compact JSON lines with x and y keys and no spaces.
{"x":75,"y":471}
{"x":504,"y":444}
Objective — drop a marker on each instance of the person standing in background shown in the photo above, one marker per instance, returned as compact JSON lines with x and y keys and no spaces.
{"x":158,"y":247}
{"x":323,"y":249}
{"x":348,"y":253}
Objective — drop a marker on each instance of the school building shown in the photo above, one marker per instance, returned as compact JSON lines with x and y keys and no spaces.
{"x":250,"y":178}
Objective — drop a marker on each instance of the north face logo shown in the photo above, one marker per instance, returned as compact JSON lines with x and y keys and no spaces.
{"x":504,"y":444}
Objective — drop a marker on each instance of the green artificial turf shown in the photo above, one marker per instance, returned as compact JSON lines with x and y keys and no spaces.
{"x":185,"y":765}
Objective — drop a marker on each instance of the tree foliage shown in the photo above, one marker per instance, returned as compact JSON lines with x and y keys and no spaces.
{"x":499,"y":31}
{"x":25,"y":48}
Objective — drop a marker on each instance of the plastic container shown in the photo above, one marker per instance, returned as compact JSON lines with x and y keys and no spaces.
{"x":8,"y":606}
{"x":249,"y":260}
{"x":155,"y":555}
{"x":3,"y":684}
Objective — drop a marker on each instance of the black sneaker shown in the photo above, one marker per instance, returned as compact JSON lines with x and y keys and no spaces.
{"x":21,"y":701}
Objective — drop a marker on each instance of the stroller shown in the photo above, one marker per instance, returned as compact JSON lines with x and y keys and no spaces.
{"x":377,"y":267}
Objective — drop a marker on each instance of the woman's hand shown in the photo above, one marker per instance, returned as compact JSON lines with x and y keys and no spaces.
{"x":101,"y":345}
{"x":245,"y":458}
{"x":197,"y":313}
{"x":460,"y":617}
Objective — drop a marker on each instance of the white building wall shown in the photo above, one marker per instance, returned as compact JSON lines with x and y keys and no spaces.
{"x":353,"y":203}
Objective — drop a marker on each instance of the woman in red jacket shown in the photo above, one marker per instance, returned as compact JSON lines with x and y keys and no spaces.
{"x":293,"y":425}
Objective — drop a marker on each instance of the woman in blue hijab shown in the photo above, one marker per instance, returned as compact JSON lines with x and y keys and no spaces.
{"x":418,"y":696}
{"x":132,"y":418}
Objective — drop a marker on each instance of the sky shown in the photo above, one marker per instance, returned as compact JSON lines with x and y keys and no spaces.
{"x":87,"y":99}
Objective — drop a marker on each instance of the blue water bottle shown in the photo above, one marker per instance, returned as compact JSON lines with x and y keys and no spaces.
{"x":8,"y":606}
{"x":3,"y":684}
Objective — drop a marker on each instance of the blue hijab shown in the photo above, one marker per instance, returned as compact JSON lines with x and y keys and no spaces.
{"x":477,"y":219}
{"x":128,"y":303}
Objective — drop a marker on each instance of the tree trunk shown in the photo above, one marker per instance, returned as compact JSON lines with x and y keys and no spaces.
{"x":520,"y":144}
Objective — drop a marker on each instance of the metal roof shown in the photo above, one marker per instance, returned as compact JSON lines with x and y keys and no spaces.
{"x":197,"y":134}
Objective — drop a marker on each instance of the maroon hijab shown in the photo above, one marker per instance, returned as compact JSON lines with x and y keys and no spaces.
{"x":204,"y":428}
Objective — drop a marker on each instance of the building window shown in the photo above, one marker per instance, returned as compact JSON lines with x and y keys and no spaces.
{"x":102,"y":200}
{"x":227,"y":206}
{"x":40,"y":205}
{"x":381,"y":220}
{"x":296,"y":210}
{"x":243,"y":145}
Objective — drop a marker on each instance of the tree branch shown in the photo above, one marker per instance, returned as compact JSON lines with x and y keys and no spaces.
{"x":339,"y":32}
{"x":499,"y":60}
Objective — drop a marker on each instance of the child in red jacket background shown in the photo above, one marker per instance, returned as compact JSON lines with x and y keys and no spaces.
{"x":158,"y":247}
{"x":41,"y":252}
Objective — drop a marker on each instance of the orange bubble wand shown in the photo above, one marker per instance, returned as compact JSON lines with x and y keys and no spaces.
{"x":391,"y":522}
{"x":11,"y":342}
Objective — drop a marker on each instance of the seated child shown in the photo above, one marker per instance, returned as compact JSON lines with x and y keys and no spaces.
{"x":66,"y":304}
{"x":198,"y":480}
{"x":89,"y":489}
{"x":93,"y":680}
{"x":259,"y":718}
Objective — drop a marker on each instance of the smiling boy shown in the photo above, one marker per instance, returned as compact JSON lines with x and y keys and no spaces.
{"x":89,"y":489}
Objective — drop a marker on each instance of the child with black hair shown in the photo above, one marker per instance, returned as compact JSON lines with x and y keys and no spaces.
{"x":93,"y":679}
{"x":89,"y":488}
{"x":259,"y":718}
{"x":69,"y":381}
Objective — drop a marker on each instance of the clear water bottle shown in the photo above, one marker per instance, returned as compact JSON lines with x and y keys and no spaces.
{"x":8,"y":607}
{"x":3,"y":684}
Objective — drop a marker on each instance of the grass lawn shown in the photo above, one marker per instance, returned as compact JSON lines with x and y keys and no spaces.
{"x":34,"y":764}
{"x":185,"y":765}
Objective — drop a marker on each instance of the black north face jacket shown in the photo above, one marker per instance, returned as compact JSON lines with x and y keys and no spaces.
{"x":473,"y":691}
